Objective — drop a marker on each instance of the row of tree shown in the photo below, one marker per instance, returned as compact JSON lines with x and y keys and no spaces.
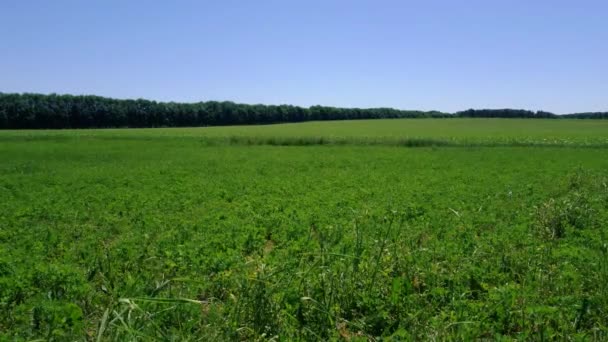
{"x":68,"y":111}
{"x":505,"y":113}
{"x":521,"y":113}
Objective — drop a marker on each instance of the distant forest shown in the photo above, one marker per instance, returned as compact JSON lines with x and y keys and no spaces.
{"x":22,"y":111}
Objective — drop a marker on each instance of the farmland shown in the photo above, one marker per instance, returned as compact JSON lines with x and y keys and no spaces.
{"x":459,"y":132}
{"x":411,"y":229}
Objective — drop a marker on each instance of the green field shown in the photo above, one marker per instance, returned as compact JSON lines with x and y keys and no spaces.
{"x":418,"y":132}
{"x":487,"y":229}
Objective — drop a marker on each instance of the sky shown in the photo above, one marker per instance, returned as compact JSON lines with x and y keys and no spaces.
{"x":428,"y":55}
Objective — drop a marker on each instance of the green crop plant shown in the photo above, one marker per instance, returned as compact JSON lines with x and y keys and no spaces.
{"x":375,"y":232}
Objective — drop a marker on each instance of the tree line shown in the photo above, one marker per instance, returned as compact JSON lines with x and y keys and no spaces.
{"x":522,"y":113}
{"x":21,"y":111}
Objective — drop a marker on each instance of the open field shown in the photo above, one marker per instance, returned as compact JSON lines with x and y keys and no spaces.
{"x":214,"y":234}
{"x":417,"y":132}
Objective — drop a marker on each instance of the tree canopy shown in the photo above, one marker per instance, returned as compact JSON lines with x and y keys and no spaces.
{"x":23,"y":111}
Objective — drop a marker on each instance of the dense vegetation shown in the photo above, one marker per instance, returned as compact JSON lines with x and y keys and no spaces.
{"x":19,"y":111}
{"x":67,"y":111}
{"x":180,"y":234}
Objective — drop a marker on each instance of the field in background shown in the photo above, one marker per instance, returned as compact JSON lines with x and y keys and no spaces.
{"x":158,"y":234}
{"x":456,"y":132}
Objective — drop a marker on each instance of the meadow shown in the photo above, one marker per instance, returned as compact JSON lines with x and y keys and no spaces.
{"x":405,"y":132}
{"x":409,"y":229}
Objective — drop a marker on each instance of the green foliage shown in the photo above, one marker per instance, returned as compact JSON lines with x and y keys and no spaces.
{"x":145,"y":235}
{"x":23,"y":111}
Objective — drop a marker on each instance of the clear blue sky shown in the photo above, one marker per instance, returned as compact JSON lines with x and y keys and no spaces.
{"x":444,"y":55}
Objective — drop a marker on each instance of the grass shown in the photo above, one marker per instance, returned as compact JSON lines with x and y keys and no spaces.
{"x":416,"y":132}
{"x":158,"y":235}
